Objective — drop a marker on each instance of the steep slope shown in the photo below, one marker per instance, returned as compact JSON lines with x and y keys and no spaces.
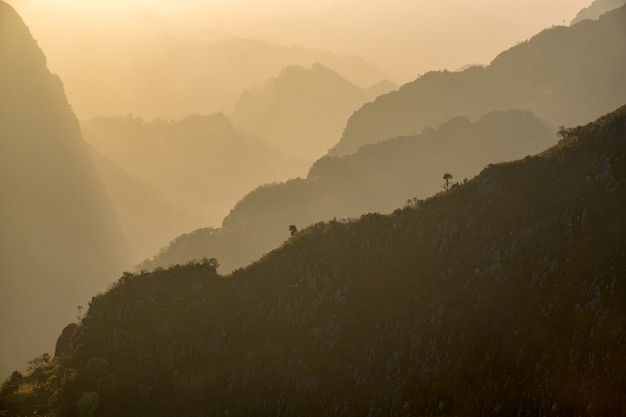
{"x":597,"y":9}
{"x":502,"y":296}
{"x":377,"y":178}
{"x":60,"y":241}
{"x":302,"y":111}
{"x":565,"y":75}
{"x":200,"y":162}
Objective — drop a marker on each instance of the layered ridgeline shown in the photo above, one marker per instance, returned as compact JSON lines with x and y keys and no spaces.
{"x":303,"y":111}
{"x":565,"y":75}
{"x":193,"y":77}
{"x":202,"y":163}
{"x":504,"y":295}
{"x":596,"y":9}
{"x":379,"y":178}
{"x":58,"y":237}
{"x":540,"y":71}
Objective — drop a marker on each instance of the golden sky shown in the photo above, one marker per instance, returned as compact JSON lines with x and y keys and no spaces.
{"x":404,"y":37}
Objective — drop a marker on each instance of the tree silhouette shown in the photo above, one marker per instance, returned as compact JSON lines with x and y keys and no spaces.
{"x":447,"y":177}
{"x":564,"y":132}
{"x":293,"y":229}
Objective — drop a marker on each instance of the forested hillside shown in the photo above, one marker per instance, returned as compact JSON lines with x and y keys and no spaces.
{"x":565,"y":75}
{"x":505,"y":295}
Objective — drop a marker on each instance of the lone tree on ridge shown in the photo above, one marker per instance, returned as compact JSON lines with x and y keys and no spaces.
{"x":447,"y":177}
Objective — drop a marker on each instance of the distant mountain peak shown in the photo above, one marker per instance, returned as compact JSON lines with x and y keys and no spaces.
{"x":302,"y":110}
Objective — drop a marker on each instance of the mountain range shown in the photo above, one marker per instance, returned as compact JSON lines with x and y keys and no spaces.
{"x":110,"y":56}
{"x":201,"y":163}
{"x":291,"y":122}
{"x":379,"y":178}
{"x":194,"y":76}
{"x":504,"y":295}
{"x":303,"y":111}
{"x":546,"y":73}
{"x":564,"y":75}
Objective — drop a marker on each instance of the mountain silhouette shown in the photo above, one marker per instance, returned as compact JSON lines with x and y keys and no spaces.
{"x":565,"y":75}
{"x":379,"y":178}
{"x":193,"y":76}
{"x":59,"y":237}
{"x":202,"y":163}
{"x":302,"y":110}
{"x":504,"y":295}
{"x":596,"y":9}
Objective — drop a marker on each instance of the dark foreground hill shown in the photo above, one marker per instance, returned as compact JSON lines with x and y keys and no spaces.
{"x":503,"y":296}
{"x":379,"y":177}
{"x":564,"y":75}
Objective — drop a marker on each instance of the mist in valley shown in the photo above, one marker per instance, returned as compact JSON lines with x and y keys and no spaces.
{"x":137,"y":135}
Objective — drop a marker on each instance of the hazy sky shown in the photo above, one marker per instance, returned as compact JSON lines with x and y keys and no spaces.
{"x":405,"y":37}
{"x":188,"y":9}
{"x":274,"y":8}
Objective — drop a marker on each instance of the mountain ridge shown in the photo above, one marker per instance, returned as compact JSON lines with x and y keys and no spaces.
{"x":196,"y":77}
{"x":565,"y":75}
{"x":379,"y":177}
{"x":188,"y":159}
{"x":302,"y":110}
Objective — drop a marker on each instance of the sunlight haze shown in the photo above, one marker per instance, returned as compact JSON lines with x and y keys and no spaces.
{"x":403,"y":37}
{"x":312,"y":207}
